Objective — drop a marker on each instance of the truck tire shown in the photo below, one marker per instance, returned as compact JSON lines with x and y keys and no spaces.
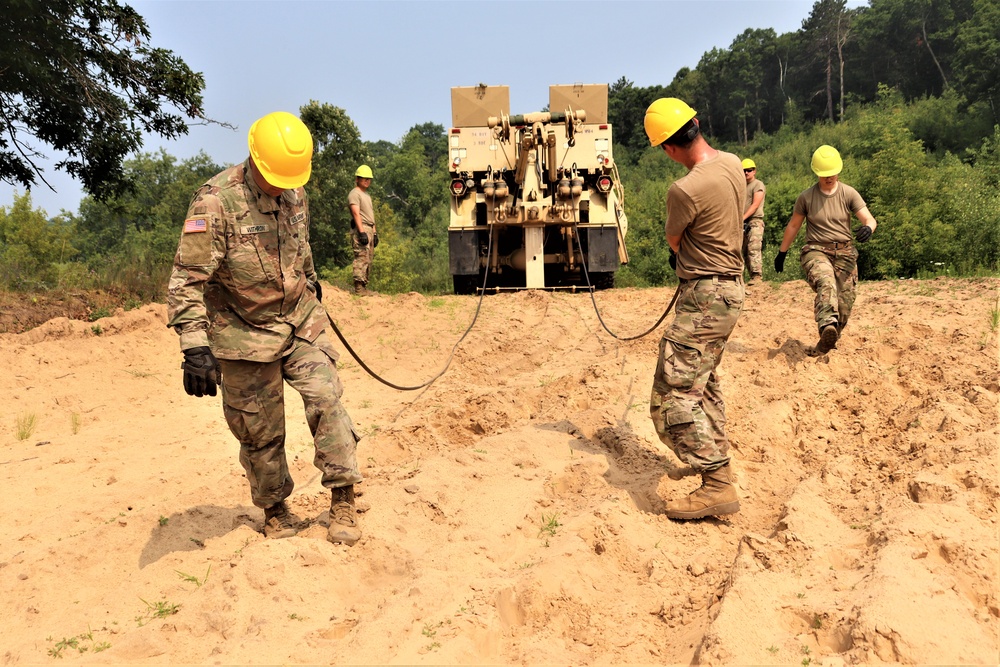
{"x":466,"y":284}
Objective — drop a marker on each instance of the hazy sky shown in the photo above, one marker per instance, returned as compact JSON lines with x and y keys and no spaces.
{"x":391,"y":65}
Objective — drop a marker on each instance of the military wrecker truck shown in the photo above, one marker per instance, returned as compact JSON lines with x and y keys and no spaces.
{"x":536,"y":196}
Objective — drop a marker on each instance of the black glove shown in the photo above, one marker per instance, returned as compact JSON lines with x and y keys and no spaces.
{"x":201,"y":371}
{"x":319,"y":290}
{"x":863,"y":233}
{"x":779,"y":262}
{"x":375,"y":240}
{"x":672,"y":261}
{"x":363,"y":238}
{"x":746,"y":228}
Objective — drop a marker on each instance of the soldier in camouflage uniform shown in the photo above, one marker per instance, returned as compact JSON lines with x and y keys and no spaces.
{"x":753,"y":223}
{"x":364,"y":236}
{"x":245,"y":298}
{"x":704,"y":228}
{"x":828,"y":258}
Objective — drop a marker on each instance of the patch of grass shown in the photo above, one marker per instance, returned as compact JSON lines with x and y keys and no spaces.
{"x":800,"y":595}
{"x":994,"y":318}
{"x":435,"y":303}
{"x":74,"y":422}
{"x":371,"y":430}
{"x":772,"y":649}
{"x":26,"y":425}
{"x":295,"y":617}
{"x":140,"y":374}
{"x":63,"y":644}
{"x":96,"y":330}
{"x":479,"y":451}
{"x":817,"y":622}
{"x":81,"y":643}
{"x":98,"y":313}
{"x":193,"y":579}
{"x":365,"y":404}
{"x":549,"y":525}
{"x":239,"y":551}
{"x":163,"y":520}
{"x":155,"y":610}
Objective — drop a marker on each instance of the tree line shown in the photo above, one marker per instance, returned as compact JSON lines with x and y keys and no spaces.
{"x":907,"y":90}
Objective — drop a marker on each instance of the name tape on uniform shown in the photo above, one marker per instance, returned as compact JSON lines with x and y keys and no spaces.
{"x":253,"y":229}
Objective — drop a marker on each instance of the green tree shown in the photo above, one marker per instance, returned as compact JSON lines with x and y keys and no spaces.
{"x":826,"y":31}
{"x":31,"y":246}
{"x":414,"y":181}
{"x":338,"y":152}
{"x":81,"y":77}
{"x":977,"y":54}
{"x":129,"y":240}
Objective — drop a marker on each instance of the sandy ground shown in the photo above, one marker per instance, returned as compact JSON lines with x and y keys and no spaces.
{"x":513,"y":510}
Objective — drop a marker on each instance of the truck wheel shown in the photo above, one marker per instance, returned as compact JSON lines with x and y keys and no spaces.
{"x":602,"y":279}
{"x":466,"y":284}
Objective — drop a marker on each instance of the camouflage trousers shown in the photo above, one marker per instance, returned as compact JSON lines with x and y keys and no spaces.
{"x":833,"y":274}
{"x":363,"y":256}
{"x":254,"y":405}
{"x":686,"y":403}
{"x":753,"y":243}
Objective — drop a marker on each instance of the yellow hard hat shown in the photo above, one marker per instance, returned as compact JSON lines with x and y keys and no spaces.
{"x":364,"y":171}
{"x":281,"y":147}
{"x":664,"y":117}
{"x":826,"y":161}
{"x":749,"y":164}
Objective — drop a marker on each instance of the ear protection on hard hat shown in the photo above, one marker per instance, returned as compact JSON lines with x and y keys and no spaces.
{"x":665,"y":116}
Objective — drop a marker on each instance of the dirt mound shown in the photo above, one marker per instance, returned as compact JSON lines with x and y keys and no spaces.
{"x":513,"y":509}
{"x":21,"y":312}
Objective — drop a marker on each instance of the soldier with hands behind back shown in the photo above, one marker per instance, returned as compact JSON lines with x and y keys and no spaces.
{"x":245,"y":299}
{"x":828,"y":258}
{"x":704,"y":229}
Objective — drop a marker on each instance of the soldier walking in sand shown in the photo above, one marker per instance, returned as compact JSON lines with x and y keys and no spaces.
{"x":829,"y":259}
{"x":705,"y":232}
{"x":245,"y":299}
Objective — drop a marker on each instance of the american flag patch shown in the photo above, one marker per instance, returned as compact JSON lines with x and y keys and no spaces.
{"x":195,"y":225}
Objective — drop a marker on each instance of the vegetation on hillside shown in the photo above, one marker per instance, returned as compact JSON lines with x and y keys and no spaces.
{"x":907,"y":90}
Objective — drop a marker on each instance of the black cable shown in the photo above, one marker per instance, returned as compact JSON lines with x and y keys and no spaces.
{"x":454,"y":348}
{"x":586,"y":275}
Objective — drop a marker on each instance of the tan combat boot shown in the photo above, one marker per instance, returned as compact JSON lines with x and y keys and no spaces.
{"x":827,"y":338}
{"x":278,"y":521}
{"x":343,"y":517}
{"x":714,"y":497}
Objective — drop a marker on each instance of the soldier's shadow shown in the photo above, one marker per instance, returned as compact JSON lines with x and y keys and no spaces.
{"x":633,"y":465}
{"x":794,"y":351}
{"x":188,"y":530}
